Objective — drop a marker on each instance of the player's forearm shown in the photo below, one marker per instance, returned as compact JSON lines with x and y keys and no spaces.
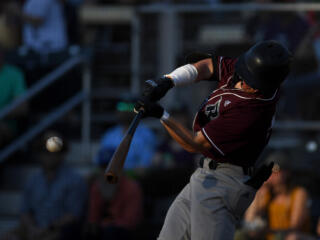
{"x":184,"y":75}
{"x":204,"y":68}
{"x":182,"y":135}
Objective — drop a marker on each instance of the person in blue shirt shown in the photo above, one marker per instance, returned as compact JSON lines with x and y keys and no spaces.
{"x":54,"y":200}
{"x":144,"y":142}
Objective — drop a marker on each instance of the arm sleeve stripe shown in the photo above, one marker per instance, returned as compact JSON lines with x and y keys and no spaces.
{"x":212,"y":143}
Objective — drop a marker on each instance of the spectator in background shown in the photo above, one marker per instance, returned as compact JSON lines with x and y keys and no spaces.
{"x":9,"y":30}
{"x":289,"y":28}
{"x":54,"y":199}
{"x":114,"y":210}
{"x":44,"y":27}
{"x":295,"y":31}
{"x":282,"y":205}
{"x":143,"y":144}
{"x":12,"y":85}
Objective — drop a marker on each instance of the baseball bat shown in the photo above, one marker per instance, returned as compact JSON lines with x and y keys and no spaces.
{"x":115,"y":166}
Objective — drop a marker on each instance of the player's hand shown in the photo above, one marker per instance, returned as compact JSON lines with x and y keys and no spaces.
{"x":149,"y":108}
{"x":154,"y":90}
{"x":260,"y":176}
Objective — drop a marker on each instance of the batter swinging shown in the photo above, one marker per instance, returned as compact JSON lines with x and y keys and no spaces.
{"x":231,"y":128}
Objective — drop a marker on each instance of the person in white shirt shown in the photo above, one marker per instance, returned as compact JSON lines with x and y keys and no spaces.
{"x":44,"y":27}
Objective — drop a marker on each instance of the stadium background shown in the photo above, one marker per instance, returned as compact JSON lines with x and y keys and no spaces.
{"x":113,"y":47}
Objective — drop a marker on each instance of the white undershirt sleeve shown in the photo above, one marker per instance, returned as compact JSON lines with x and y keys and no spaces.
{"x":184,"y":75}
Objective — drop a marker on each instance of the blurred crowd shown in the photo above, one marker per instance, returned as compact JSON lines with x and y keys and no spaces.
{"x":59,"y":203}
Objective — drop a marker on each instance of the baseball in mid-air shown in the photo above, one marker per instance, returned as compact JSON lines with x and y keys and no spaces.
{"x":54,"y":144}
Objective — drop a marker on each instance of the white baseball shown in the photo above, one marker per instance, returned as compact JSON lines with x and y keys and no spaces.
{"x":54,"y":144}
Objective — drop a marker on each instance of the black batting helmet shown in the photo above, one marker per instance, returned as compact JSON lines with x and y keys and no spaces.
{"x":264,"y":66}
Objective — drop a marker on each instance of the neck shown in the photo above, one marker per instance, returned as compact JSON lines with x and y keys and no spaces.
{"x":244,"y":87}
{"x":238,"y":85}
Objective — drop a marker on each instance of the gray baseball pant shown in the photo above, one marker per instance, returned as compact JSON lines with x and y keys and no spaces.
{"x":210,"y":205}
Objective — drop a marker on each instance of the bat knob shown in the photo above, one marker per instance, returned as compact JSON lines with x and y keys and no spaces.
{"x":110,"y":178}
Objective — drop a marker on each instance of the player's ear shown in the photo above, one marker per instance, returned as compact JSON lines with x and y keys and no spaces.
{"x":248,"y":88}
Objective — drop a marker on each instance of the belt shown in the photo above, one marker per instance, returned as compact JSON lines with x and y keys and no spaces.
{"x":212,"y":164}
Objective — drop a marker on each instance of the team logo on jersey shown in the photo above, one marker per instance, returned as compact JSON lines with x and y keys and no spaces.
{"x":212,"y":110}
{"x":226,"y":103}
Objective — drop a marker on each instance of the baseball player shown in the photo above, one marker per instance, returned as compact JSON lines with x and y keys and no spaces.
{"x":231,"y":128}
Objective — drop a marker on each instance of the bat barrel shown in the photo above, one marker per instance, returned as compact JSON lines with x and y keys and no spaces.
{"x":114,"y":169}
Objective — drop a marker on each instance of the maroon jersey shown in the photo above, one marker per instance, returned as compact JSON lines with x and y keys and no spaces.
{"x":236,"y":123}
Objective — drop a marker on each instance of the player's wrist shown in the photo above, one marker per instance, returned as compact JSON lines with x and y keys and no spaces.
{"x":168,"y":81}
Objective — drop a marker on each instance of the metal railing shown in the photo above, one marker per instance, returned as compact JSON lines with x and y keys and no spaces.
{"x":243,"y":7}
{"x":46,"y":122}
{"x":82,"y":96}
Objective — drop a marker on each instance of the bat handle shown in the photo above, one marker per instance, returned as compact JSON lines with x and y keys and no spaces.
{"x":134,"y":123}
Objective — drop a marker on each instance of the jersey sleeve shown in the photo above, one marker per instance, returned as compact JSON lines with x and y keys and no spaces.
{"x":223,"y":68}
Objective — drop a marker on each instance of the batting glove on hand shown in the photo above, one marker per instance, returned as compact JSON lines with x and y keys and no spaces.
{"x":150,"y":109}
{"x":260,"y":176}
{"x":154,"y":90}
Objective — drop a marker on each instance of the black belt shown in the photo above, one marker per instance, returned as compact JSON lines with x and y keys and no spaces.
{"x":214,"y":164}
